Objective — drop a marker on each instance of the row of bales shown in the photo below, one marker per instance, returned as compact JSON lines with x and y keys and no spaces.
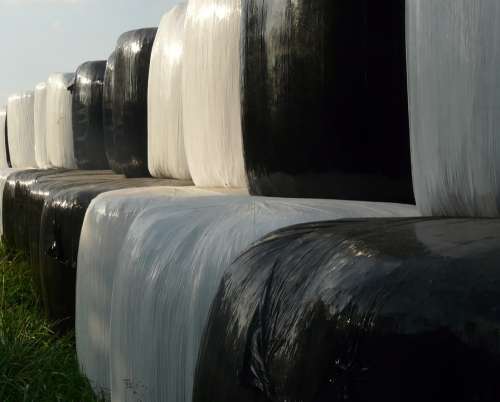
{"x":224,"y":210}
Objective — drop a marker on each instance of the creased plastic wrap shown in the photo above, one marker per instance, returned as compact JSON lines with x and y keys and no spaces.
{"x":454,"y":102}
{"x":40,"y":118}
{"x":324,"y":98}
{"x":4,"y":163}
{"x":60,"y":226}
{"x":106,"y":224}
{"x":107,"y":114}
{"x":4,"y":175}
{"x":21,"y":130}
{"x":59,"y":121}
{"x":211,"y":93}
{"x":7,"y":140}
{"x":129,"y":102}
{"x":368,"y":310}
{"x":88,"y":129}
{"x":166,"y":151}
{"x":174,"y":256}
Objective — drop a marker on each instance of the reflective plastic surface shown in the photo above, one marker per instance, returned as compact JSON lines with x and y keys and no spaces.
{"x":4,"y":163}
{"x":21,"y":130}
{"x":59,"y":121}
{"x":40,"y":118}
{"x":454,"y":93}
{"x":129,"y":100}
{"x":324,"y":100}
{"x":359,"y":310}
{"x":88,"y":129}
{"x":166,"y":152}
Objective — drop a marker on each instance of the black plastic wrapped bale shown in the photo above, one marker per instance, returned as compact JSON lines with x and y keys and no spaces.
{"x":88,"y":131}
{"x":23,"y":199}
{"x":107,"y":114}
{"x":363,"y":310}
{"x":324,"y":99}
{"x":128,"y":144}
{"x":60,"y":228}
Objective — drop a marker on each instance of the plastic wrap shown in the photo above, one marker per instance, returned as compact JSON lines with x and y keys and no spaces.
{"x":40,"y":117}
{"x":4,"y":163}
{"x":107,"y":114}
{"x":324,"y":99}
{"x":88,"y":129}
{"x":166,"y":152}
{"x":60,"y":228}
{"x":106,"y":224}
{"x":21,"y":130}
{"x":4,"y":175}
{"x":211,"y":93}
{"x":174,"y":256}
{"x":454,"y":102}
{"x":60,"y":148}
{"x":368,"y":310}
{"x":129,"y":102}
{"x":7,"y":140}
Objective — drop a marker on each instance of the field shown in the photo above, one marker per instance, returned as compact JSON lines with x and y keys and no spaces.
{"x":35,"y":364}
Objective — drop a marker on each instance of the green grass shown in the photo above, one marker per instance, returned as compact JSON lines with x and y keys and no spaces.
{"x":35,"y":364}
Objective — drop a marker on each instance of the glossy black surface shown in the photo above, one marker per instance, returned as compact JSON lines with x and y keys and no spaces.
{"x":107,"y":114}
{"x":7,"y":151}
{"x":127,"y":142}
{"x":395,"y":310}
{"x":324,"y":99}
{"x":88,"y":129}
{"x":60,"y":228}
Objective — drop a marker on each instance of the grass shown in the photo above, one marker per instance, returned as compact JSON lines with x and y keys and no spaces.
{"x":35,"y":364}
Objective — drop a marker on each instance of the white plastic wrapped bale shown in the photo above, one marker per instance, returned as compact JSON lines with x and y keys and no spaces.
{"x":21,"y":130}
{"x":4,"y":163}
{"x":40,"y":117}
{"x":60,"y":149}
{"x":211,"y":93}
{"x":174,"y":257}
{"x":106,"y":224}
{"x":166,"y":153}
{"x":454,"y":100}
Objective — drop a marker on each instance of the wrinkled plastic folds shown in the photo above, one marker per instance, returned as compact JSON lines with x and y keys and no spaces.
{"x":174,"y":256}
{"x":7,"y":140}
{"x":324,"y":99}
{"x":60,"y":148}
{"x":454,"y":103}
{"x":368,"y":310}
{"x":107,"y":114}
{"x":21,"y":130}
{"x":60,"y":226}
{"x":106,"y":224}
{"x":166,"y":151}
{"x":211,"y":93}
{"x":4,"y":175}
{"x":88,"y":131}
{"x":129,"y":100}
{"x":4,"y":163}
{"x":40,"y":118}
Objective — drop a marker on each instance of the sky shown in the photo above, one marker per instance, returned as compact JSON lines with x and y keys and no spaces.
{"x":40,"y":37}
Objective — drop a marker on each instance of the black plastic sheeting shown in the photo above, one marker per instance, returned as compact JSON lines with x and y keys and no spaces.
{"x":61,"y":224}
{"x":7,"y":151}
{"x":88,"y":129}
{"x":324,"y":100}
{"x":364,"y":310}
{"x":127,"y":147}
{"x":24,"y":196}
{"x":107,"y":114}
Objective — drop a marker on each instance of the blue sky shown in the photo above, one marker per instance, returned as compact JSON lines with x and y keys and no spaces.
{"x":39,"y":37}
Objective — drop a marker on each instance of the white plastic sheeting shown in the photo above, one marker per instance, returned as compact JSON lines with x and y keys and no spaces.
{"x":40,"y":116}
{"x":106,"y":224}
{"x":211,"y":93}
{"x":21,"y":130}
{"x":162,"y":276}
{"x":60,"y":148}
{"x":3,"y":146}
{"x":454,"y":96}
{"x":166,"y":152}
